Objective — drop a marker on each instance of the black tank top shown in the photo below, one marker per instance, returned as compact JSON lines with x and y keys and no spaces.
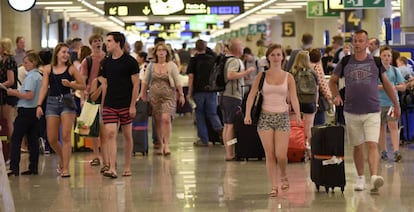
{"x":55,"y":83}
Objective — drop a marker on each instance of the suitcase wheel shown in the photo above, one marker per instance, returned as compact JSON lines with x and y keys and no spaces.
{"x":317,"y":187}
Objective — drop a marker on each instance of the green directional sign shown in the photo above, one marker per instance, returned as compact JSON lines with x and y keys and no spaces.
{"x":315,"y":9}
{"x":234,"y":33}
{"x":252,"y":29}
{"x":352,"y":4}
{"x":261,"y":28}
{"x":243,"y":31}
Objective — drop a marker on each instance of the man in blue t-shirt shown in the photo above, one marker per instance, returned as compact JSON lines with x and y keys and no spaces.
{"x":119,"y":94}
{"x":362,"y":107}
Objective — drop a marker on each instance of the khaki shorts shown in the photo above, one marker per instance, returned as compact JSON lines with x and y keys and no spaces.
{"x":361,"y":128}
{"x":384,"y":115}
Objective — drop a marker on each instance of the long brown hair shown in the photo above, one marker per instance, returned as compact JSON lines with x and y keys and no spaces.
{"x":56,"y":51}
{"x":270,"y":50}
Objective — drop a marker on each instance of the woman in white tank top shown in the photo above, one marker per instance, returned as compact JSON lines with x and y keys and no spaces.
{"x":274,"y":124}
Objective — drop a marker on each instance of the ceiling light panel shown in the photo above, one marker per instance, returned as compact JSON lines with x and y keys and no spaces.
{"x":54,"y":3}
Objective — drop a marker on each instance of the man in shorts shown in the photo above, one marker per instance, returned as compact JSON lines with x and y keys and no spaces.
{"x":119,"y":94}
{"x":362,"y":107}
{"x":232,"y":97}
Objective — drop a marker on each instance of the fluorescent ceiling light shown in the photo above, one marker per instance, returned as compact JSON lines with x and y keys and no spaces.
{"x":100,"y":2}
{"x":177,"y":18}
{"x":284,"y":7}
{"x":274,"y":11}
{"x":253,"y":0}
{"x":135,"y":18}
{"x":296,"y":0}
{"x":69,"y":10}
{"x":54,"y":3}
{"x":248,"y":4}
{"x":292,"y":4}
{"x":63,"y":8}
{"x":116,"y":20}
{"x":251,"y":11}
{"x":90,"y":6}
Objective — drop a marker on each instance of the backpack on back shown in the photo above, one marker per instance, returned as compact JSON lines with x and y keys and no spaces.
{"x":217,"y":80}
{"x":306,"y":86}
{"x":203,"y":65}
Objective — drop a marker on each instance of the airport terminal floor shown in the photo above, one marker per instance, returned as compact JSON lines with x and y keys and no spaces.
{"x":198,"y":179}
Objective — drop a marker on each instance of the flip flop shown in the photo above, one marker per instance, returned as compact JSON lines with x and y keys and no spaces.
{"x":127,"y":174}
{"x":110,"y":175}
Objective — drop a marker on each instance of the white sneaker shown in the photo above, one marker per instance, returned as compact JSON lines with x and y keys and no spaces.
{"x":359,"y":183}
{"x":376,"y":183}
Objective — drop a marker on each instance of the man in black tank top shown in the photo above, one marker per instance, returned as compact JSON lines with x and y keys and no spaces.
{"x":120,"y":91}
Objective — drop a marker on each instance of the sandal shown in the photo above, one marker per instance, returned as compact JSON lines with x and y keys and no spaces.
{"x":274,"y":192}
{"x":104,"y":168}
{"x":95,"y":162}
{"x":285,"y":184}
{"x":110,"y":175}
{"x":127,"y":174}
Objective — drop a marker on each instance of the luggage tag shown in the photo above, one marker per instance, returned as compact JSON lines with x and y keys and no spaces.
{"x":231,"y":142}
{"x":391,"y":112}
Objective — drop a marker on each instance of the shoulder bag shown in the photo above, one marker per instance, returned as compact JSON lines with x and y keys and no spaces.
{"x":257,"y":103}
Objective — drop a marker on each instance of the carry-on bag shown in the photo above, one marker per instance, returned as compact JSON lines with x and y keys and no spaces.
{"x":327,"y":158}
{"x":297,"y":140}
{"x":248,"y":143}
{"x":140,"y":128}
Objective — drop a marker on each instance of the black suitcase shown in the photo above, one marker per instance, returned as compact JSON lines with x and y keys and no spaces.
{"x":248,"y":141}
{"x":140,"y":128}
{"x":407,"y":123}
{"x":326,"y":142}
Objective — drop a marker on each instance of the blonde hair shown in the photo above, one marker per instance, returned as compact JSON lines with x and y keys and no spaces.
{"x":302,"y":62}
{"x":6,"y":45}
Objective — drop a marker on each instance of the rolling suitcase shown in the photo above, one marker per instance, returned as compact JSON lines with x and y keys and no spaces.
{"x":297,"y":140}
{"x":4,"y":133}
{"x":140,"y":128}
{"x":248,"y":141}
{"x":327,"y":165}
{"x":407,"y":123}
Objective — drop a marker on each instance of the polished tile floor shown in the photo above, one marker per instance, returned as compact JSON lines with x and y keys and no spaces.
{"x":198,"y":179}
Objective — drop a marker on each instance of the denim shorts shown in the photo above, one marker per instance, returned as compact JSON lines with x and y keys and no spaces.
{"x":55,"y":106}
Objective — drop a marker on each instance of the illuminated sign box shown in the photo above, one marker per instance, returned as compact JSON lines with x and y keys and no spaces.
{"x":173,"y":7}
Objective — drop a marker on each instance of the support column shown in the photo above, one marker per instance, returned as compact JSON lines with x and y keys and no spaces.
{"x":407,"y":16}
{"x":275,"y":30}
{"x":15,"y":24}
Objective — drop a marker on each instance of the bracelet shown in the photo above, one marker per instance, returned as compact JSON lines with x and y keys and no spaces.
{"x":38,"y":106}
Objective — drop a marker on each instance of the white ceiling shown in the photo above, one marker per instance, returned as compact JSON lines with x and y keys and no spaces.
{"x":91,"y":11}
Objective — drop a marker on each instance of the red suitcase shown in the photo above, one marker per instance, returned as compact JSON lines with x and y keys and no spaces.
{"x":297,"y":140}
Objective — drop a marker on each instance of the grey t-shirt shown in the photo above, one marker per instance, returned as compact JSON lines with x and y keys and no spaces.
{"x":233,"y":87}
{"x":361,"y":80}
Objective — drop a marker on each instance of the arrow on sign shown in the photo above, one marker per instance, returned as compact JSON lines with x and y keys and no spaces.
{"x":146,"y":10}
{"x":377,"y":1}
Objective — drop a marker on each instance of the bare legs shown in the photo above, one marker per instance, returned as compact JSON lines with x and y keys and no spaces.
{"x":65,"y":151}
{"x":228,"y":134}
{"x":373,"y":158}
{"x":163,"y":125}
{"x":275,"y":144}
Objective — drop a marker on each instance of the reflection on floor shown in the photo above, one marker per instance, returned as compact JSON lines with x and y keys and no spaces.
{"x":198,"y":179}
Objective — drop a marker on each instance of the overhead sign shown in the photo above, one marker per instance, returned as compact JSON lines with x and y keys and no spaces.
{"x":261,"y":28}
{"x":252,"y":29}
{"x":173,"y":7}
{"x":288,"y":29}
{"x":315,"y":9}
{"x":353,"y":20}
{"x":365,"y":4}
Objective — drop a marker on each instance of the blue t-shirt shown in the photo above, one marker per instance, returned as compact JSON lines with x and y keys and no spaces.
{"x":361,"y":81}
{"x":395,"y":77}
{"x":32,"y":82}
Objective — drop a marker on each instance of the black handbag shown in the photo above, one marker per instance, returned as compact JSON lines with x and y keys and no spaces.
{"x":257,"y":103}
{"x":68,"y":100}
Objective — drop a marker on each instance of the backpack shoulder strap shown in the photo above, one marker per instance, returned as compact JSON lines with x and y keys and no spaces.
{"x":344,"y":62}
{"x":150,"y":72}
{"x":378,"y":63}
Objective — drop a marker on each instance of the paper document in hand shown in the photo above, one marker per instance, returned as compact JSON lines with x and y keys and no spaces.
{"x":3,"y":87}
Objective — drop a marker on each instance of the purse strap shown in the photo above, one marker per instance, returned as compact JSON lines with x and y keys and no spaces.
{"x":262,"y":78}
